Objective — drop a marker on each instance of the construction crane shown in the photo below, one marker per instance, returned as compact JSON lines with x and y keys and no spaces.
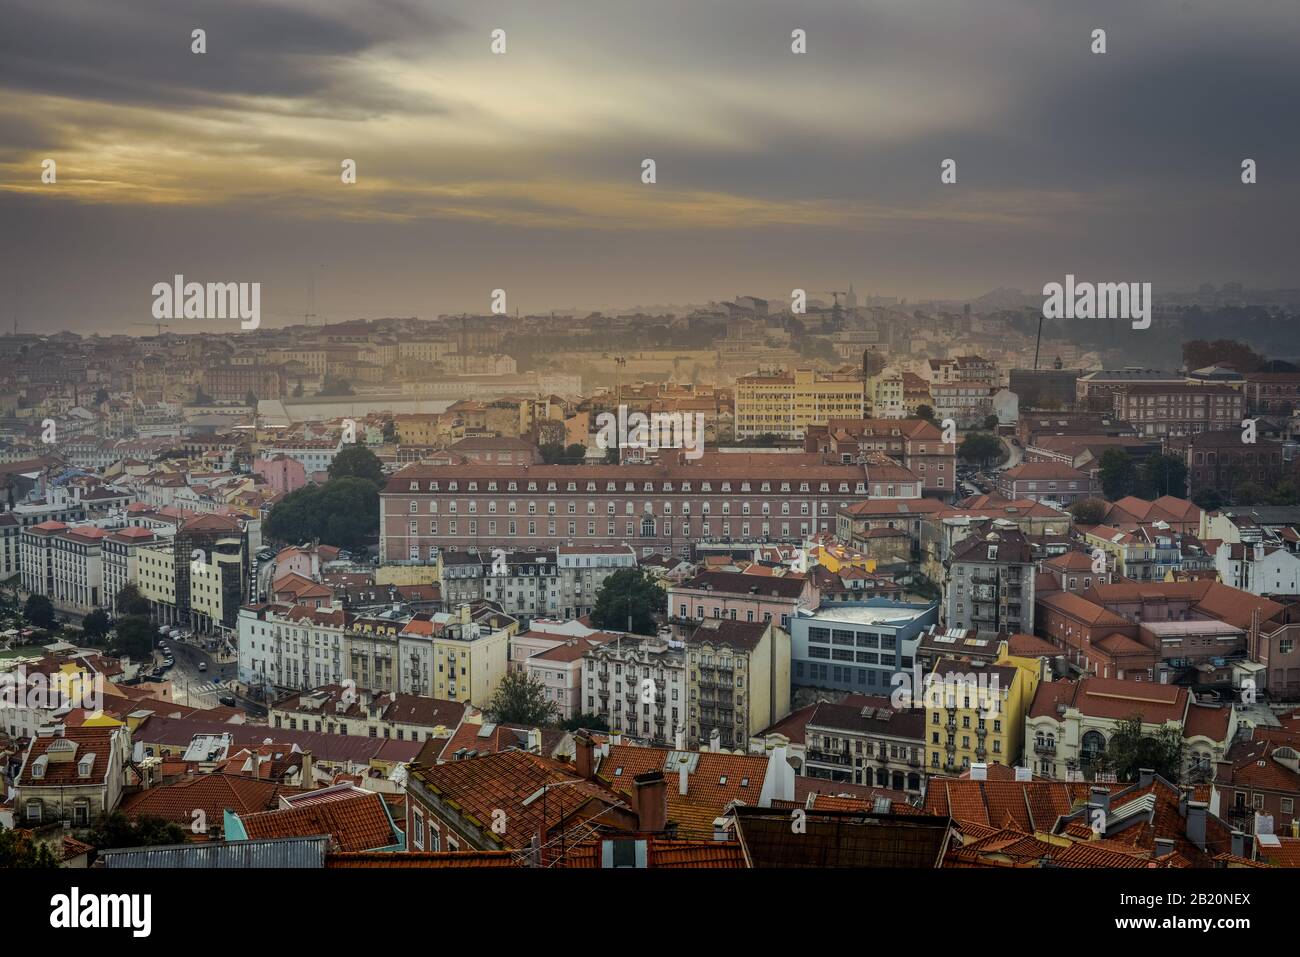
{"x":619,"y":362}
{"x":160,"y":326}
{"x":836,"y":293}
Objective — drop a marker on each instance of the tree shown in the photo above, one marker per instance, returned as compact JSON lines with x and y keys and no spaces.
{"x":18,"y":850}
{"x":1284,"y":493}
{"x":101,"y":396}
{"x":1208,"y":499}
{"x":357,"y":461}
{"x":628,"y":588}
{"x":118,"y":830}
{"x":575,"y":453}
{"x":390,"y":430}
{"x":925,"y":412}
{"x":1197,"y":353}
{"x":592,"y":722}
{"x":335,"y":386}
{"x":980,"y":447}
{"x":1163,"y":474}
{"x":250,"y":398}
{"x":343,"y":512}
{"x":1088,"y":511}
{"x":134,"y":637}
{"x":991,"y":423}
{"x":1247,"y":493}
{"x":129,"y":601}
{"x":39,"y":611}
{"x":1132,"y":748}
{"x":1118,"y":473}
{"x":521,"y":699}
{"x":96,"y":624}
{"x":552,"y":452}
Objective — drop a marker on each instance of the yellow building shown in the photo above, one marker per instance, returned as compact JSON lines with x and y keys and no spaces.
{"x":422,"y":573}
{"x":786,"y":403}
{"x":157,"y":576}
{"x":975,"y":713}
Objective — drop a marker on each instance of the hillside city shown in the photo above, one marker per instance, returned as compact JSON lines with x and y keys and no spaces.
{"x":866,"y":583}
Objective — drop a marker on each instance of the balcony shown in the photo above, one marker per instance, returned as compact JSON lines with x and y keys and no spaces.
{"x":842,"y":758}
{"x":1044,"y":747}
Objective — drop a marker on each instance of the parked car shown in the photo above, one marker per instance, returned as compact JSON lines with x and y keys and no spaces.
{"x":228,"y":700}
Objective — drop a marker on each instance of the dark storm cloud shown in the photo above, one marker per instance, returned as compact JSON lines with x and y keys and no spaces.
{"x":138,"y":52}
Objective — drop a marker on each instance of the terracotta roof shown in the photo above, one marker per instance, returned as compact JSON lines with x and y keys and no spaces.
{"x":358,"y":823}
{"x":508,"y":782}
{"x":210,"y":793}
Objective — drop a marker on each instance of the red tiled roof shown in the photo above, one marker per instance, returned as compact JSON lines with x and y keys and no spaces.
{"x":357,"y":823}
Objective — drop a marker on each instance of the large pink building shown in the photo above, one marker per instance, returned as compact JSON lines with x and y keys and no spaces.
{"x":663,"y":507}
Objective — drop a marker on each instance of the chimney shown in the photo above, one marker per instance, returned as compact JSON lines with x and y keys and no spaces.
{"x":1099,"y":797}
{"x":1183,"y":795}
{"x":254,"y":761}
{"x":680,"y":742}
{"x":308,"y":771}
{"x":1196,"y":822}
{"x":650,"y":792}
{"x":715,"y":740}
{"x":683,"y":775}
{"x":1238,"y":844}
{"x":584,"y":760}
{"x":1164,"y":846}
{"x":1145,"y":777}
{"x":535,"y":740}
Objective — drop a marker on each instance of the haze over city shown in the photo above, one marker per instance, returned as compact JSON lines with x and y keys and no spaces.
{"x":521,"y":171}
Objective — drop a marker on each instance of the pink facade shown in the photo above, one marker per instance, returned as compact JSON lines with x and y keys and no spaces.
{"x":281,"y":473}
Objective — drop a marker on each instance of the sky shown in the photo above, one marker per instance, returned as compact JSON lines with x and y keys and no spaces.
{"x":523,"y":171}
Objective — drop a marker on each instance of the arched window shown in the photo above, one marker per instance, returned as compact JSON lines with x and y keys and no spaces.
{"x":1092,"y":745}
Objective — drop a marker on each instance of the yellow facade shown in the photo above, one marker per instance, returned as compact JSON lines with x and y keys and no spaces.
{"x":976,"y":715}
{"x":470,"y":671}
{"x":787,"y":403}
{"x":157,"y":570}
{"x":422,"y":574}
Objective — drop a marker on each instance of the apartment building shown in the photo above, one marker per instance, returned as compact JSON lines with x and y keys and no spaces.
{"x":975,"y":713}
{"x":665,"y":507}
{"x":64,"y":563}
{"x":1096,"y":390}
{"x":966,"y":403}
{"x":1219,"y":460}
{"x":787,"y":403}
{"x":121,"y":559}
{"x":1070,"y":724}
{"x":866,"y":742}
{"x":292,"y":646}
{"x":739,"y":597}
{"x":1177,"y":409}
{"x":738,"y":676}
{"x":915,"y":444}
{"x":639,"y":685}
{"x":344,"y":709}
{"x":989,"y":582}
{"x":561,"y":581}
{"x":1052,"y":481}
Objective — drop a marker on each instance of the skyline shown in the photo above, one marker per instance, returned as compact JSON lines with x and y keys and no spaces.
{"x":522,"y":171}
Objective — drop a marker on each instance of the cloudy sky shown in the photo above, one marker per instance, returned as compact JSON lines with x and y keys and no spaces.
{"x":523,"y":171}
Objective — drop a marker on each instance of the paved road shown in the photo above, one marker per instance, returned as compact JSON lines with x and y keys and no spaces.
{"x":197,"y":688}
